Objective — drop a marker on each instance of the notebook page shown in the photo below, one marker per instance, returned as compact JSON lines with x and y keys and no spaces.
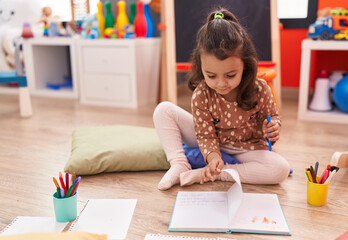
{"x":106,"y":216}
{"x":259,"y":213}
{"x":22,"y":225}
{"x":200,"y":211}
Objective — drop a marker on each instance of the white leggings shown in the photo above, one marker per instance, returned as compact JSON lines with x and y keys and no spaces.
{"x":174,"y":126}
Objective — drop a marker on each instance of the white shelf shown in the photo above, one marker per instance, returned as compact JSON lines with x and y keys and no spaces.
{"x":304,"y":113}
{"x":119,"y":72}
{"x":8,"y":89}
{"x":49,"y":60}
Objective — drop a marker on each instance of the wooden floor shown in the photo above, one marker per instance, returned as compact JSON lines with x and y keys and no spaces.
{"x":34,"y":150}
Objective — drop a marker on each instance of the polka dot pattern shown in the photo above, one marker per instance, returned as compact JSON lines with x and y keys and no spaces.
{"x":220,"y":122}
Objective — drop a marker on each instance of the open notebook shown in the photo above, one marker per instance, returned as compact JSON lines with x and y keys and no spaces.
{"x":101,"y":216}
{"x":23,"y":224}
{"x":106,"y":216}
{"x":231,"y":211}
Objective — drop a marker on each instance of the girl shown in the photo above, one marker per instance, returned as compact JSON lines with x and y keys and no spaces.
{"x":229,"y":112}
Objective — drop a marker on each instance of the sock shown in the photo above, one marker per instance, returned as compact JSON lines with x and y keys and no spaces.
{"x":172,"y":176}
{"x":193,"y":176}
{"x":226,"y":177}
{"x":339,"y":159}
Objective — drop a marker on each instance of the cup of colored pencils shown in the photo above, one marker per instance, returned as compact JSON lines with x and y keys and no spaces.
{"x":318,"y":185}
{"x":65,"y":197}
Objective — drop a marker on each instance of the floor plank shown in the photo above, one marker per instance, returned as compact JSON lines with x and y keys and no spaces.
{"x":34,"y":150}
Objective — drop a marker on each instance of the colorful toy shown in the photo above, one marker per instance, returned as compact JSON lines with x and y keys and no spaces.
{"x":149,"y":23}
{"x":101,"y":19}
{"x":26,"y":31}
{"x":335,"y":77}
{"x":109,"y":19}
{"x":122,"y":18}
{"x":45,"y":32}
{"x":53,"y":30}
{"x":110,"y":33}
{"x":57,"y":86}
{"x":321,"y":98}
{"x":339,"y":11}
{"x":133,"y":10}
{"x":326,"y":27}
{"x":140,"y":21}
{"x":129,"y":32}
{"x":341,"y":94}
{"x":13,"y":14}
{"x":342,"y":35}
{"x":90,"y":27}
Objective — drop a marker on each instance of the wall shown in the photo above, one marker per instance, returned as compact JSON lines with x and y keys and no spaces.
{"x":291,"y":52}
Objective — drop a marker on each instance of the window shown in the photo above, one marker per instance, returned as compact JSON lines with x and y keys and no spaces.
{"x":297,"y":13}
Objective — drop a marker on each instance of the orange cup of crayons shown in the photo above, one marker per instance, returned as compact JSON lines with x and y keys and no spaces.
{"x":317,"y":193}
{"x":65,"y":198}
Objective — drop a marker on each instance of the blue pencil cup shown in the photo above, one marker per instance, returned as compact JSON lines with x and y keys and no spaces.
{"x":65,"y":209}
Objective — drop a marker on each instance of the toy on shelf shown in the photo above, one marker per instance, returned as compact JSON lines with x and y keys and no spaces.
{"x":109,"y":19}
{"x":45,"y":32}
{"x":90,"y":27}
{"x":101,"y":19}
{"x":133,"y":9}
{"x":129,"y":32}
{"x":325,"y":28}
{"x":339,"y":11}
{"x":341,"y":94}
{"x":53,"y":30}
{"x":79,"y":9}
{"x":57,"y":86}
{"x":122,"y":18}
{"x":149,"y":23}
{"x":110,"y":33}
{"x":140,"y":21}
{"x":26,"y":31}
{"x":335,"y":77}
{"x":321,"y":98}
{"x":342,"y":35}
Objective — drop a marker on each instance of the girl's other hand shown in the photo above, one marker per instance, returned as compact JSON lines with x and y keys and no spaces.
{"x":271,"y":130}
{"x":213,"y":168}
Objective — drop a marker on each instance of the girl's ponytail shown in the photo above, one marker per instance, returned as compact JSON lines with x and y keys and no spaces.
{"x":225,"y":14}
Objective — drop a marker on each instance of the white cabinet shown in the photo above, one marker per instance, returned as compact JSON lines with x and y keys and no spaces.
{"x":119,"y":72}
{"x":308,"y":45}
{"x":51,"y":61}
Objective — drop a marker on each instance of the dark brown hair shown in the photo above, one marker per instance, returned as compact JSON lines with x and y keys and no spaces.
{"x":224,"y":38}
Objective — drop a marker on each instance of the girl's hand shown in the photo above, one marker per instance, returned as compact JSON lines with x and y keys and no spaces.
{"x":271,"y":130}
{"x":213,"y":168}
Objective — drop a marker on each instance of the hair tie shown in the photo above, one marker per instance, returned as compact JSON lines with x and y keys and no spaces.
{"x":219,"y":15}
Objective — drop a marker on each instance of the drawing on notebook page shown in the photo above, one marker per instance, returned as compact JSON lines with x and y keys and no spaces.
{"x":231,"y":211}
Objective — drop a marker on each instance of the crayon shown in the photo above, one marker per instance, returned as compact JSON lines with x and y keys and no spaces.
{"x":67,"y":180}
{"x":330,"y":177}
{"x":55,"y":182}
{"x":309,"y":175}
{"x":314,"y":177}
{"x":58,"y":192}
{"x":62,"y":181}
{"x":75,"y":189}
{"x":269,"y":141}
{"x":69,"y":191}
{"x":309,"y":180}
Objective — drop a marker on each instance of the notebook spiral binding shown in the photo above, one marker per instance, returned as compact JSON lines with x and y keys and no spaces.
{"x":173,"y":237}
{"x":73,"y":224}
{"x":8,"y":226}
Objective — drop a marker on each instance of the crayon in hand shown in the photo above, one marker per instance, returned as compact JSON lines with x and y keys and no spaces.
{"x":269,"y":141}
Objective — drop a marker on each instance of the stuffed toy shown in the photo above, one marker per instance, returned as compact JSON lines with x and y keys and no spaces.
{"x":13,"y":14}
